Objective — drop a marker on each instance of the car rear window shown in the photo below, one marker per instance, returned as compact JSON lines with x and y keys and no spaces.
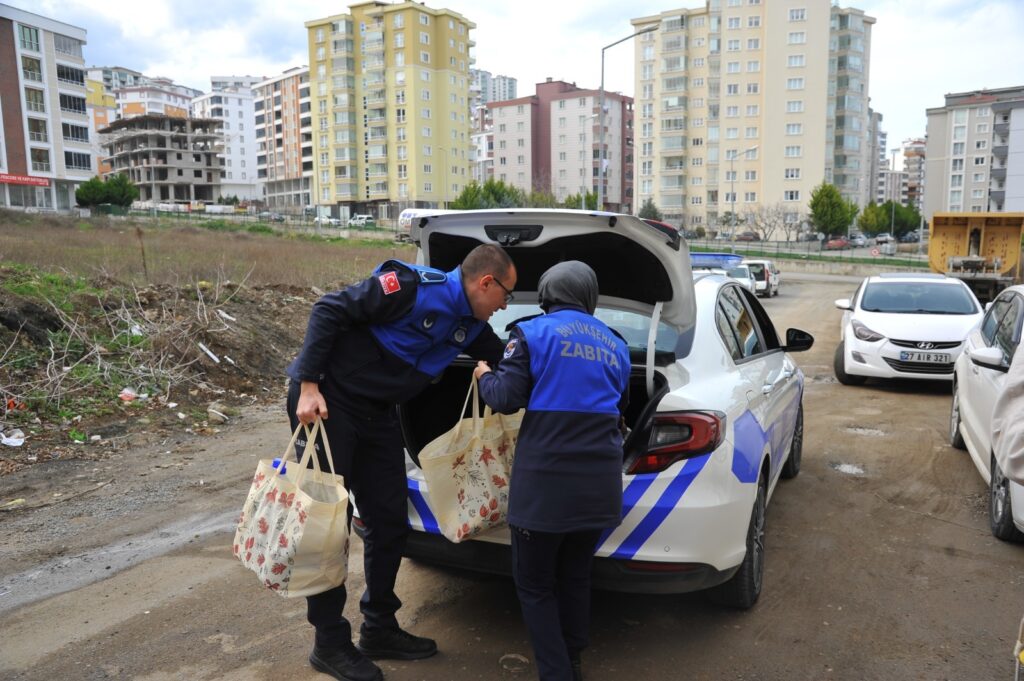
{"x":917,"y":298}
{"x":757,"y":271}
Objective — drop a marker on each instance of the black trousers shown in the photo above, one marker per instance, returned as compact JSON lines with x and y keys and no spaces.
{"x":366,"y":446}
{"x":552,"y":576}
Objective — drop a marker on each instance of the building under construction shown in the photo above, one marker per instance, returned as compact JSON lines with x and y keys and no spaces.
{"x":170,"y":159}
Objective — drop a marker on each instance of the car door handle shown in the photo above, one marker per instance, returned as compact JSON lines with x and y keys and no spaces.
{"x":786,"y":375}
{"x":767,"y":389}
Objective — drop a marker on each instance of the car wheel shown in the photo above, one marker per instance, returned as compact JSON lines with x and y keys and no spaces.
{"x":791,"y":468}
{"x":956,"y":439}
{"x":1000,"y":510}
{"x":839,"y":368}
{"x":744,"y":587}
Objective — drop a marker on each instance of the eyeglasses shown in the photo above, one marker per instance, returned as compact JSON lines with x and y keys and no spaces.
{"x":508,"y":294}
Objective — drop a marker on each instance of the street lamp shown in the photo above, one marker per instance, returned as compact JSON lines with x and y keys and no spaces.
{"x":600,"y":112}
{"x":732,"y":191}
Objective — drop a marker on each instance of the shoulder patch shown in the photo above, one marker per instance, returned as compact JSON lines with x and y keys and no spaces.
{"x":432,"y":277}
{"x":389,"y":283}
{"x":510,"y":348}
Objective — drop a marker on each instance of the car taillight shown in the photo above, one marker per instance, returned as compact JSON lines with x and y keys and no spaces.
{"x":679,"y":435}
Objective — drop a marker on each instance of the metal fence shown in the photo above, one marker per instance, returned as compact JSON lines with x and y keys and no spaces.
{"x":905,"y":255}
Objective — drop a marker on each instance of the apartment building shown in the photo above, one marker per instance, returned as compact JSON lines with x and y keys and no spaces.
{"x":549,"y":142}
{"x":968,"y":161}
{"x":45,"y":141}
{"x":284,"y":140}
{"x":486,"y":87}
{"x":102,"y":109}
{"x":115,"y":77}
{"x":231,"y":102}
{"x":154,"y":96}
{"x":747,"y":105}
{"x":913,"y":166}
{"x":894,"y":186}
{"x":171,"y":159}
{"x":390,"y":88}
{"x":876,"y":140}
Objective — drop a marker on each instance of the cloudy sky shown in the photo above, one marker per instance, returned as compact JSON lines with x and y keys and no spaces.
{"x":921,"y":49}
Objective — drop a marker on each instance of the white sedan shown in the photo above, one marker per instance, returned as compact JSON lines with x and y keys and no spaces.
{"x":904,"y":325}
{"x":978,"y":381}
{"x":715,"y":409}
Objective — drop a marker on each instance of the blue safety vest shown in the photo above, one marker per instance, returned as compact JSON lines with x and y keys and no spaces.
{"x":578,"y":364}
{"x":439,"y":326}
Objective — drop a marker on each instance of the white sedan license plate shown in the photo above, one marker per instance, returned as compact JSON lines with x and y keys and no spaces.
{"x":929,"y":357}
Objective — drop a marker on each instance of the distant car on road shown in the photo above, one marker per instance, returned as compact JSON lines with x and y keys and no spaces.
{"x":838,"y":243}
{"x":858,"y":240}
{"x":742,"y":274}
{"x":327,"y":220}
{"x":360,"y":220}
{"x":883,"y":238}
{"x":748,"y":236}
{"x":909,"y":237}
{"x":766,"y":276}
{"x":272,"y":217}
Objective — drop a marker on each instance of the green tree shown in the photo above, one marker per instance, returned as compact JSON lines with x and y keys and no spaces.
{"x":491,"y":194}
{"x":870,"y":221}
{"x":573,"y":201}
{"x":541,"y":199}
{"x":830,"y":212}
{"x":649,"y":210}
{"x":91,"y":193}
{"x":120,"y":191}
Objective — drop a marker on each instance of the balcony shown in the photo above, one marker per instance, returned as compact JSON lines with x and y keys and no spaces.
{"x":41,"y":166}
{"x":38,"y":107}
{"x":1001,"y":128}
{"x":998,"y":173}
{"x":33,"y":75}
{"x":997,"y":196}
{"x":1000,"y":150}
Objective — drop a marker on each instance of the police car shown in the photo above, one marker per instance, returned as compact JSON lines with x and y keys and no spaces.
{"x":715,"y":402}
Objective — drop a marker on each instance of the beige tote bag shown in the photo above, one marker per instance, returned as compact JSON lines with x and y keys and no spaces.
{"x":293,"y":531}
{"x":467,"y":471}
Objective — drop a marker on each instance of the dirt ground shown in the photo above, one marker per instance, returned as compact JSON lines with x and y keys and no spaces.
{"x":119,"y":566}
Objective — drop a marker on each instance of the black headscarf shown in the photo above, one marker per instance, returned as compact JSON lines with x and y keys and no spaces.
{"x":569,"y":283}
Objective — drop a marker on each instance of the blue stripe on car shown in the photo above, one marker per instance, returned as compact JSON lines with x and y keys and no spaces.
{"x":630,"y":496}
{"x":748,"y":444}
{"x":661,"y":508}
{"x":421,"y":506}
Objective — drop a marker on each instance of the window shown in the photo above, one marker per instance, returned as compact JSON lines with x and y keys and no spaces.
{"x":424,"y":57}
{"x":958,"y":148}
{"x":797,"y":38}
{"x":732,"y":46}
{"x":732,"y":133}
{"x":40,"y":159}
{"x":753,"y":88}
{"x":753,"y":66}
{"x":795,"y":61}
{"x":730,"y":175}
{"x":792,"y":174}
{"x":956,"y":181}
{"x":793,"y":151}
{"x":753,"y":109}
{"x":750,"y":176}
{"x":74,"y":160}
{"x":956,"y":196}
{"x":732,"y":89}
{"x":29,"y":38}
{"x":794,"y":83}
{"x":732,"y":67}
{"x":732,"y":23}
{"x":37,"y":130}
{"x":750,"y":132}
{"x":982,"y":127}
{"x":750,"y":197}
{"x":74,"y":133}
{"x":753,"y":43}
{"x":794,"y":129}
{"x":977,"y":193}
{"x":957,"y":164}
{"x":696,"y":162}
{"x":791,"y":195}
{"x":424,"y":19}
{"x":754,"y":21}
{"x":736,"y":326}
{"x":797,"y":15}
{"x":696,"y":200}
{"x":981,"y":144}
{"x":795,"y":106}
{"x":983,"y":112}
{"x":732,"y":111}
{"x":959,"y":132}
{"x":424,"y":38}
{"x":72,"y":104}
{"x":980,"y":160}
{"x":978,"y":177}
{"x":32,"y":69}
{"x":34,"y":100}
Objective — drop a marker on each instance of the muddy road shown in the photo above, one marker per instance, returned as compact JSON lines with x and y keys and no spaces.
{"x":880,"y":564}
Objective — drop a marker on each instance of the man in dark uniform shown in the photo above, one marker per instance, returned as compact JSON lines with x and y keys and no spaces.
{"x":369,"y":347}
{"x":571,"y":372}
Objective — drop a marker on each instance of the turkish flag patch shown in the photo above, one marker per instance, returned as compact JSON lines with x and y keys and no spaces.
{"x":389,"y":282}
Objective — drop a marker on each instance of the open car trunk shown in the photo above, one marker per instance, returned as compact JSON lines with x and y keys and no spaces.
{"x":436,"y":410}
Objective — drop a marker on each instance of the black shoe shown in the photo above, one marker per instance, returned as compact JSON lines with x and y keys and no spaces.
{"x":577,"y":666}
{"x":394,"y":644}
{"x":344,"y":663}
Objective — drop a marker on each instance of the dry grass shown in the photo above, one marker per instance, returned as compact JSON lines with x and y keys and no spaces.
{"x":178,"y":255}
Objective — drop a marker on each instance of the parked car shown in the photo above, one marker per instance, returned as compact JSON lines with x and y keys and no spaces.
{"x":748,"y":236}
{"x":808,"y":236}
{"x":858,"y":240}
{"x":271,"y":217}
{"x":904,"y":325}
{"x":883,"y":238}
{"x":360,"y":220}
{"x":742,"y":274}
{"x":837,"y":243}
{"x":327,"y":220}
{"x":978,"y":378}
{"x":690,"y":235}
{"x":715,"y":412}
{"x":909,"y":238}
{"x":766,"y":275}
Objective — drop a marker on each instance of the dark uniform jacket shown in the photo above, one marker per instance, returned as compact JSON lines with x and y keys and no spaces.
{"x":571,"y":372}
{"x":383,"y":340}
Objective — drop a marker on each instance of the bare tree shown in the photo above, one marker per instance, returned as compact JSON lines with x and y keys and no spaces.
{"x":768,"y":219}
{"x":792,"y":229}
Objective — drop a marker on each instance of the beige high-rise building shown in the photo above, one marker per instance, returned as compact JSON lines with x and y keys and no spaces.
{"x":390,"y":88}
{"x":284,"y":140}
{"x":744,"y":106}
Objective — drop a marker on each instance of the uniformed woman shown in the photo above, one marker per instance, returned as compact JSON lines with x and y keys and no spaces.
{"x":571,"y":373}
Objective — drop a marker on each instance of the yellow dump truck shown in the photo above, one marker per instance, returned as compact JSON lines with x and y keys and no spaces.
{"x":982,"y":249}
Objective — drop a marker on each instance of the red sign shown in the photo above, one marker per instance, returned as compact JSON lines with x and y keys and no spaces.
{"x":389,"y":282}
{"x":24,"y":179}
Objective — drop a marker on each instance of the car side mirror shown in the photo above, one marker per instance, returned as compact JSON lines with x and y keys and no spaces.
{"x":798,"y":341}
{"x":843,"y":304}
{"x":989,"y":358}
{"x":988,"y":305}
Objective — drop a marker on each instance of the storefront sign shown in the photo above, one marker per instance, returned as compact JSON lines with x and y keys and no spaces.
{"x":24,"y":179}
